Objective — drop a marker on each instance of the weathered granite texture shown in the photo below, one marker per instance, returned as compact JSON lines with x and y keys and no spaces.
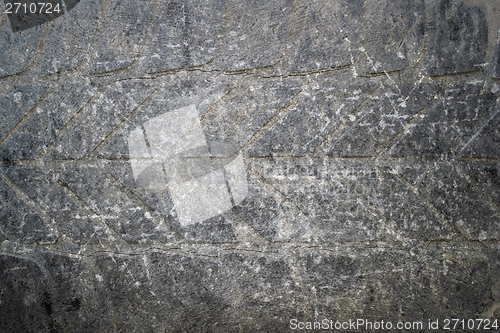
{"x":232,"y":165}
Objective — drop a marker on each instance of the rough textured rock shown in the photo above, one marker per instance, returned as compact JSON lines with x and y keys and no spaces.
{"x":18,"y":49}
{"x":459,"y":37}
{"x":182,"y":34}
{"x":241,"y":166}
{"x":121,"y":34}
{"x":393,"y":36}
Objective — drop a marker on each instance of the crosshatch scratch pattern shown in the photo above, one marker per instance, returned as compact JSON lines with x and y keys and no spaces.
{"x":228,"y":165}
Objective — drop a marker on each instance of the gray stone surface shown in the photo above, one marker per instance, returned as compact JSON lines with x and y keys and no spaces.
{"x":496,"y":63}
{"x":459,"y":37}
{"x":182,"y":34}
{"x":260,"y":26}
{"x":393,"y":36}
{"x":121,"y":34}
{"x":18,"y":50}
{"x":67,"y":40}
{"x":228,"y":166}
{"x":447,"y":122}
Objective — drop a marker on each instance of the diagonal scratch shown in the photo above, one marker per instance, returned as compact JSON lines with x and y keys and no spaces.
{"x":124,"y":120}
{"x":30,"y":203}
{"x":272,"y":121}
{"x":76,"y":198}
{"x":24,"y":118}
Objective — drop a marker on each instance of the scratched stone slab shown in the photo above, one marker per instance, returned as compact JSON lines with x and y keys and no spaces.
{"x":382,"y":119}
{"x":68,"y":39}
{"x":317,"y":112}
{"x":71,"y":216}
{"x":182,"y":34}
{"x":21,"y":220}
{"x":17,"y":50}
{"x":462,"y":198}
{"x":231,"y":166}
{"x":459,"y":37}
{"x":393,"y":35}
{"x":486,"y":173}
{"x":167,"y":94}
{"x":447,"y":122}
{"x":246,"y":110}
{"x":326,"y":34}
{"x":97,"y":120}
{"x":61,"y":103}
{"x":185,"y":288}
{"x":485,"y":143}
{"x":496,"y":63}
{"x":263,"y":26}
{"x":121,"y":34}
{"x":19,"y":100}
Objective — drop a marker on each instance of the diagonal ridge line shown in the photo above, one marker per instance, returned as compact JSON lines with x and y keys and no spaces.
{"x":30,"y":203}
{"x":64,"y":128}
{"x":271,"y":122}
{"x":274,"y":189}
{"x":480,"y":129}
{"x":124,"y":120}
{"x":75,"y":197}
{"x":25,"y":117}
{"x":412,"y":122}
{"x":131,"y":193}
{"x":341,"y":127}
